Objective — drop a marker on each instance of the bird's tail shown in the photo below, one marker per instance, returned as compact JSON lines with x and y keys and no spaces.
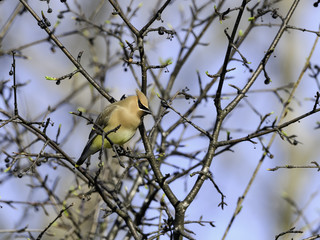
{"x":85,"y":153}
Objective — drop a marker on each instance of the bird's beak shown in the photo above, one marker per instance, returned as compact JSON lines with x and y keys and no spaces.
{"x":146,"y":111}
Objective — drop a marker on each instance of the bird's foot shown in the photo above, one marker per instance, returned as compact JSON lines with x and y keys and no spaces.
{"x":119,"y":151}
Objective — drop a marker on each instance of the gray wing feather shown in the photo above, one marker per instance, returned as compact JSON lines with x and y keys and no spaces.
{"x":102,"y":119}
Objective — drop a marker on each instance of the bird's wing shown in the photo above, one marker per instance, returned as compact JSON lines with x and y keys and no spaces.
{"x":102,"y":120}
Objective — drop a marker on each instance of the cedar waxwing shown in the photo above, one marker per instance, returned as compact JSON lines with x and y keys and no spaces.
{"x":127,"y":114}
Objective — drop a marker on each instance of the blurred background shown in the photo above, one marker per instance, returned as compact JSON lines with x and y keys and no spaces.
{"x":268,"y":208}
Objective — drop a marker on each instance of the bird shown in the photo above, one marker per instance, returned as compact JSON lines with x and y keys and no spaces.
{"x":121,"y":118}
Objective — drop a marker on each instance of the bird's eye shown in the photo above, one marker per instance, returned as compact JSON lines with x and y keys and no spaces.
{"x":142,"y":107}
